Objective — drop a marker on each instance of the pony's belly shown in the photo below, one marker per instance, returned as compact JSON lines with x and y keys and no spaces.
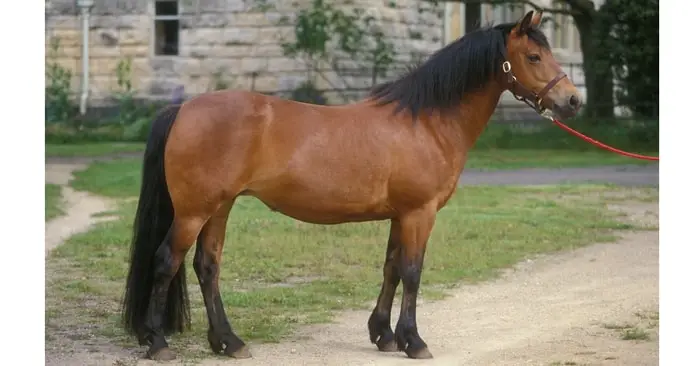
{"x":329,"y":216}
{"x":316,"y":208}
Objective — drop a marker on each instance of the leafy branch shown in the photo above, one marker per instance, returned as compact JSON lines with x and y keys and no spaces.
{"x":324,"y":35}
{"x":58,"y":89}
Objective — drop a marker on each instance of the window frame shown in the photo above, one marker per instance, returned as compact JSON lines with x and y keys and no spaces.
{"x":154,"y":35}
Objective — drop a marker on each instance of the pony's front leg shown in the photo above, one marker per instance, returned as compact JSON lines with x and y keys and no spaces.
{"x":379,"y":323}
{"x":415,"y":231}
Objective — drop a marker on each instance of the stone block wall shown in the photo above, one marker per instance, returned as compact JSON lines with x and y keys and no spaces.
{"x":224,"y":40}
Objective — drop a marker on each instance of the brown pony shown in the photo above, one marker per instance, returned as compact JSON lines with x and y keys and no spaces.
{"x":394,"y":156}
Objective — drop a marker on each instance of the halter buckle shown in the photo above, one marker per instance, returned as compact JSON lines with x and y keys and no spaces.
{"x":506,"y":67}
{"x":546,"y":113}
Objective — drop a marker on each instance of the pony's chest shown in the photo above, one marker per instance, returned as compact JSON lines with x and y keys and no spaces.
{"x":420,"y":186}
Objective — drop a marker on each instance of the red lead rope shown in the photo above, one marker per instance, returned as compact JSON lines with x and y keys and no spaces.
{"x":600,"y":144}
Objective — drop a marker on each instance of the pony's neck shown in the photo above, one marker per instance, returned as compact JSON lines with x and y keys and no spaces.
{"x":457,"y":131}
{"x":475,"y":112}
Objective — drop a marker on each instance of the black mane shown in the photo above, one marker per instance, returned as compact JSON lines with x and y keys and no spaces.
{"x":463,"y":66}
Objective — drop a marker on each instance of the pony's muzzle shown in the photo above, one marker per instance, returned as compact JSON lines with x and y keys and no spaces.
{"x":568,"y":105}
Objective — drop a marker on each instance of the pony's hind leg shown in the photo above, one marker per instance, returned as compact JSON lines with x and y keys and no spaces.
{"x":379,"y":323}
{"x":207,"y":260}
{"x":164,"y":304}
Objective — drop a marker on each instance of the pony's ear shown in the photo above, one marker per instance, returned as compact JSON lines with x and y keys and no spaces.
{"x":525,"y":23}
{"x":536,"y":19}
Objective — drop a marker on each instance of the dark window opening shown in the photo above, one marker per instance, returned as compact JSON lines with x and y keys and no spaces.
{"x":166,"y":7}
{"x":167,"y":28}
{"x":167,"y":37}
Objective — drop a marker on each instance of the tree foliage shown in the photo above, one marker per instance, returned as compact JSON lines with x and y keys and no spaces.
{"x":327,"y":35}
{"x":632,"y":46}
{"x":58,"y":106}
{"x":322,"y":30}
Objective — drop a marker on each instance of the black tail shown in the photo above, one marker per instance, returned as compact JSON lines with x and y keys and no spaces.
{"x":154,"y":217}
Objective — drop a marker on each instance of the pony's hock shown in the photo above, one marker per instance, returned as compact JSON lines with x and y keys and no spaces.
{"x":225,"y":144}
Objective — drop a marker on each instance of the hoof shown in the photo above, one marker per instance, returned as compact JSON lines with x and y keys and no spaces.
{"x":389,"y":346}
{"x":143,"y":341}
{"x":421,"y":354}
{"x":163,"y":354}
{"x":242,"y":352}
{"x":214,"y":342}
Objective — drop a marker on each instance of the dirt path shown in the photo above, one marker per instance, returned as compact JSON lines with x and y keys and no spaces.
{"x":627,"y":175}
{"x":78,"y":206}
{"x":561,"y":309}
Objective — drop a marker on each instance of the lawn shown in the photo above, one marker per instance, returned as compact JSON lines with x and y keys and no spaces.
{"x":279,"y":273}
{"x":114,"y":178}
{"x":93,"y":149}
{"x":52,"y":201}
{"x":500,"y":159}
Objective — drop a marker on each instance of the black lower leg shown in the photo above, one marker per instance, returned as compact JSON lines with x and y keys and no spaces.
{"x":379,"y":323}
{"x":220,"y":335}
{"x":153,"y":327}
{"x":407,"y":336}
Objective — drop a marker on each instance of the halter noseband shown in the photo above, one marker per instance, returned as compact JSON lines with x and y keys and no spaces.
{"x":522,"y":93}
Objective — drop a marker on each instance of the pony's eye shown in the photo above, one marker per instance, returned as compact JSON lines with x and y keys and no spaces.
{"x":533,"y":58}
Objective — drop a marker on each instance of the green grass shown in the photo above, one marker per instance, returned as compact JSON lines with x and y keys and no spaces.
{"x":497,"y":159}
{"x":629,"y":332}
{"x":636,"y":136}
{"x":278,"y":273}
{"x":93,"y":149}
{"x":114,"y":178}
{"x":52,"y":201}
{"x":504,"y":146}
{"x":645,"y":328}
{"x":635,"y":334}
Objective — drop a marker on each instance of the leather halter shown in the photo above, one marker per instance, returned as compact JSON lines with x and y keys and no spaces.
{"x":522,"y":93}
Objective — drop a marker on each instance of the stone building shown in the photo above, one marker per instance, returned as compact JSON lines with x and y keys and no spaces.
{"x":204,"y":44}
{"x":199,"y":43}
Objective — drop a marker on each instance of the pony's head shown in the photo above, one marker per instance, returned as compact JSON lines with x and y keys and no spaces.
{"x":516,"y":55}
{"x":533,"y":74}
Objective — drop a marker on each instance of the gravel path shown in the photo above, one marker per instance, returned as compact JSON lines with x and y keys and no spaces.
{"x":79,"y":207}
{"x":632,"y":175}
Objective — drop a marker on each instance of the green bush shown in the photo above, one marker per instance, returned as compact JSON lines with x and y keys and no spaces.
{"x":107,"y":129}
{"x":131,"y":124}
{"x":138,"y":130}
{"x":112,"y":129}
{"x":63,"y":133}
{"x":57,"y":92}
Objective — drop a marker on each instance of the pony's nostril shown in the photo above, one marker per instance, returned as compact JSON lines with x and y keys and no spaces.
{"x":574,"y":101}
